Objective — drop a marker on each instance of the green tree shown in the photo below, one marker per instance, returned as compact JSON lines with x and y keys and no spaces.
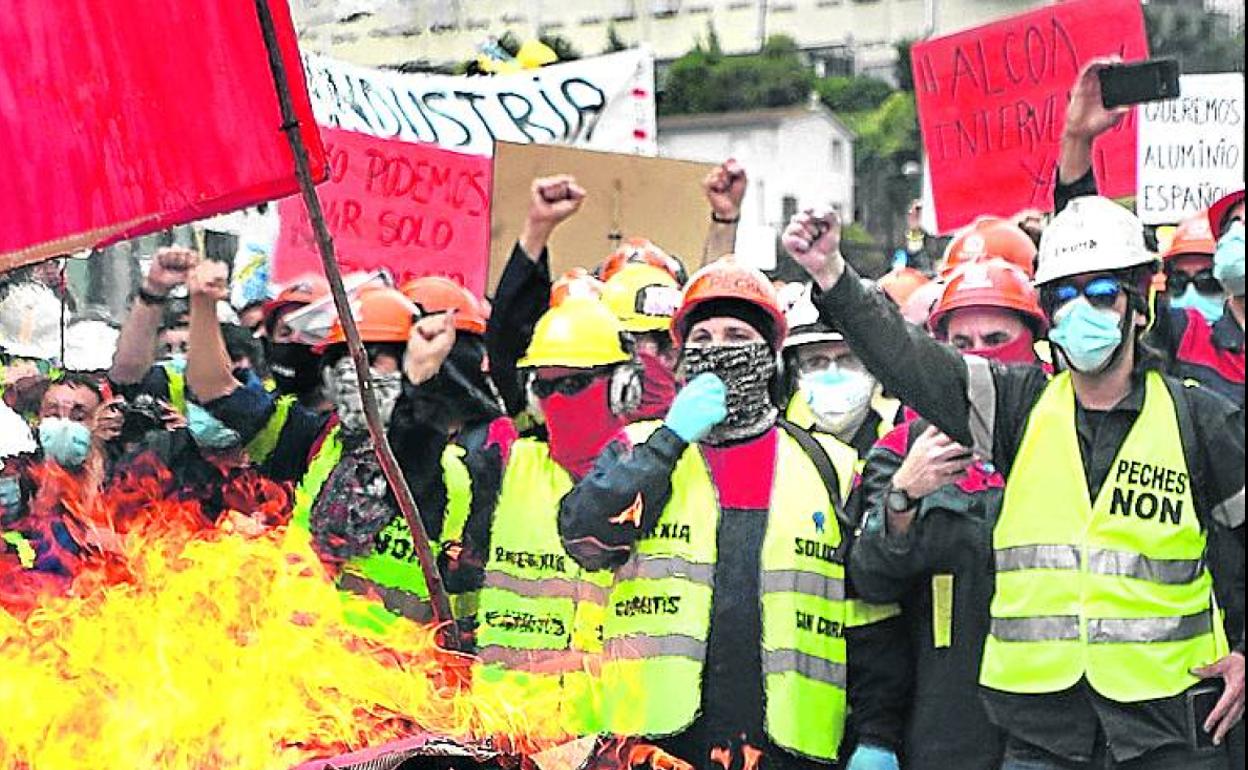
{"x":858,"y":94}
{"x":703,"y":80}
{"x":562,"y":47}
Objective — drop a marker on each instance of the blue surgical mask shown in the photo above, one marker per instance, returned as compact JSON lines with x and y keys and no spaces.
{"x":207,"y":431}
{"x":1087,"y":335}
{"x":65,"y":441}
{"x":1209,"y":306}
{"x":1228,"y":260}
{"x":839,"y":398}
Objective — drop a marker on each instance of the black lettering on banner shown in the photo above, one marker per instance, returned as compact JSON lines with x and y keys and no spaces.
{"x":388,"y":123}
{"x":472,"y":99}
{"x":432,"y":95}
{"x":567,"y":127}
{"x":521,"y":117}
{"x":592,"y":105}
{"x":546,"y":562}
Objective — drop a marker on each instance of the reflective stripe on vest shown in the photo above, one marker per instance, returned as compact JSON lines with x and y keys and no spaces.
{"x":322,"y":464}
{"x":1115,"y":590}
{"x":658,"y":617}
{"x":458,"y":505}
{"x":540,"y":614}
{"x":264,"y":442}
{"x":176,"y":381}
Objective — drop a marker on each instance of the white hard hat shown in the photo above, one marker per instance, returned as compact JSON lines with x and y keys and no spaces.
{"x":30,"y":321}
{"x":89,"y":345}
{"x":802,"y":316}
{"x":1092,"y":234}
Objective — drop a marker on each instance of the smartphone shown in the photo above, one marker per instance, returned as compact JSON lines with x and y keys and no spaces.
{"x":1200,"y":702}
{"x":1139,"y":82}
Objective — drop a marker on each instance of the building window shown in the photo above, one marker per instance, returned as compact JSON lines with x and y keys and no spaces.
{"x":838,"y":155}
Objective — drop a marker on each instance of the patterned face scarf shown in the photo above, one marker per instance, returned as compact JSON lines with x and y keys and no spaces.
{"x":746,"y":371}
{"x":344,"y":391}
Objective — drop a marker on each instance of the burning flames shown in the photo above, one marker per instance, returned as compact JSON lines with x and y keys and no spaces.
{"x":183,"y":646}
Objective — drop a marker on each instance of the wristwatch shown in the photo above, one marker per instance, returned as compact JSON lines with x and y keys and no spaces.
{"x":899,"y":501}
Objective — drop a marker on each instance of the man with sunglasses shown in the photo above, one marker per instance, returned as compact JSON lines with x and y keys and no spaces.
{"x":1202,"y":335}
{"x":1104,"y":630}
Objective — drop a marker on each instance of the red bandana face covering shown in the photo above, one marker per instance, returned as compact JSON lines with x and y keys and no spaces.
{"x":658,"y":388}
{"x":1020,"y":350}
{"x":580,"y":426}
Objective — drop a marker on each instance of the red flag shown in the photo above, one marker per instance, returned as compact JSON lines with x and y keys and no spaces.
{"x":123,"y":117}
{"x":992,"y":104}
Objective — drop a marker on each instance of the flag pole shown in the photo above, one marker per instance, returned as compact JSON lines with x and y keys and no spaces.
{"x":325,"y":246}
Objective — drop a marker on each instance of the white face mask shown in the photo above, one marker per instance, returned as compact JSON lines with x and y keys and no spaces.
{"x":839,"y":398}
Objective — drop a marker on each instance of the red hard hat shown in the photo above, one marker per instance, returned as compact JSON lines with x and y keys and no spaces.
{"x":381,"y":314}
{"x":990,"y":283}
{"x":576,"y":282}
{"x":634,"y":250}
{"x":1192,"y":236}
{"x":726,"y":278}
{"x":989,"y":238}
{"x":436,"y":294}
{"x":1219,"y":210}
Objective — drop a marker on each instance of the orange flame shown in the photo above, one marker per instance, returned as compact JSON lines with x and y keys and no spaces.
{"x":181,"y":646}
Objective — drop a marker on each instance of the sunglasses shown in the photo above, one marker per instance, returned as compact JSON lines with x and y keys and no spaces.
{"x":1101,"y":292}
{"x":564,"y":386}
{"x":1205,"y":283}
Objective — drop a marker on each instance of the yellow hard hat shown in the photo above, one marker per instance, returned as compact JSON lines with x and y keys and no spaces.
{"x":579,"y":333}
{"x":643,"y":297}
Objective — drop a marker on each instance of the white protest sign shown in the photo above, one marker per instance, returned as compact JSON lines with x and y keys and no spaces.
{"x":1191,"y":149}
{"x":605,"y":103}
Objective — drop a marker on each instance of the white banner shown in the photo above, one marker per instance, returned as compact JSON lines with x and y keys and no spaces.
{"x":604,"y":103}
{"x":1191,"y":149}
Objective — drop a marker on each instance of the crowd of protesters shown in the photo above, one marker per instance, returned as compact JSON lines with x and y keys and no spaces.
{"x":987,"y":511}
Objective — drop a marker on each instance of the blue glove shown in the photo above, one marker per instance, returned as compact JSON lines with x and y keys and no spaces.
{"x":698,"y":407}
{"x":868,"y":757}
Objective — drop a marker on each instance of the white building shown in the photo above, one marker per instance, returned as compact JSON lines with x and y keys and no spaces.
{"x":847,"y":34}
{"x":794,"y":157}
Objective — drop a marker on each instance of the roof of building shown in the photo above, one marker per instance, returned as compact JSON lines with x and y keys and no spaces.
{"x":764,"y":117}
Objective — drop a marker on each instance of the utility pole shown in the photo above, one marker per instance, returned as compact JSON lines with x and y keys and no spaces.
{"x":762,"y":24}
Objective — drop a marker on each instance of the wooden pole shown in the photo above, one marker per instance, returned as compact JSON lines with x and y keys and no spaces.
{"x":325,"y":245}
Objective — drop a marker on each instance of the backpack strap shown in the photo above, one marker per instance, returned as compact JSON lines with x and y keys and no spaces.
{"x":827,"y":471}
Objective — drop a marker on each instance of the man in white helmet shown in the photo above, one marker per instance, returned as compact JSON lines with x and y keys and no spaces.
{"x":1106,"y":647}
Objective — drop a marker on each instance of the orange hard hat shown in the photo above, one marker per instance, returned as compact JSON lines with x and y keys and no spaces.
{"x":437,"y":294}
{"x":901,"y":282}
{"x":728,"y":279}
{"x":989,"y":283}
{"x":576,"y":282}
{"x":990,"y":238}
{"x":382,"y":314}
{"x":304,"y":290}
{"x":1192,"y":236}
{"x":635,"y":250}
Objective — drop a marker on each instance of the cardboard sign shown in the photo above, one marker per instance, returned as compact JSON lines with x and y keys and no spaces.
{"x":605,"y":102}
{"x":414,"y":209}
{"x":1191,"y":149}
{"x":124,"y":118}
{"x":992,"y":106}
{"x":628,"y":196}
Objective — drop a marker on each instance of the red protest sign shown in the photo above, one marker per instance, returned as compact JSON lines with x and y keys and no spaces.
{"x":412,"y":208}
{"x":992,"y":105}
{"x":123,"y":117}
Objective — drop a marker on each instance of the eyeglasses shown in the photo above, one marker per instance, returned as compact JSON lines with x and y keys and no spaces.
{"x":1205,"y":283}
{"x":1101,"y":292}
{"x":565,"y":386}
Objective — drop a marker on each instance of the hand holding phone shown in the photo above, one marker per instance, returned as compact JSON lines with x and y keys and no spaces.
{"x":1139,"y":82}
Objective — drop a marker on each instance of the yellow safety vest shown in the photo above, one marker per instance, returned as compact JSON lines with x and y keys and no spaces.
{"x":458,"y":506}
{"x":659,"y":612}
{"x":1116,"y":589}
{"x":540,"y":621}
